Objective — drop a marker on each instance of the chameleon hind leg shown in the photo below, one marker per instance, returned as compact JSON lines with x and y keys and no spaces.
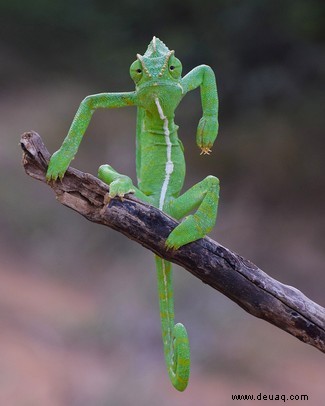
{"x":119,"y":185}
{"x":204,"y":196}
{"x":175,"y":339}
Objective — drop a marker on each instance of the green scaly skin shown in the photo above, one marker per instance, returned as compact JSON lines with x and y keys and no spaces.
{"x":160,"y":168}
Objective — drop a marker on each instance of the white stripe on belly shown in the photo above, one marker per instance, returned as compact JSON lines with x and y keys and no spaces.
{"x":169,"y":163}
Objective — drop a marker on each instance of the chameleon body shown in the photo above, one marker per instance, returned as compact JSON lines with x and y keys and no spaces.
{"x":160,"y":167}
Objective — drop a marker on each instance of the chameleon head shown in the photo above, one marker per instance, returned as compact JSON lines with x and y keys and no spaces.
{"x":156,"y":65}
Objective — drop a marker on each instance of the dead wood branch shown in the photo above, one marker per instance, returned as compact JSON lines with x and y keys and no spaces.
{"x":229,"y":273}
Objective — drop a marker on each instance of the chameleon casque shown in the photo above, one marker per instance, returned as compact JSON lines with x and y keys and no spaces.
{"x":160,"y":167}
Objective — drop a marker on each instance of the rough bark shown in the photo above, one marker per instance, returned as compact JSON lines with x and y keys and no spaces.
{"x":239,"y":279}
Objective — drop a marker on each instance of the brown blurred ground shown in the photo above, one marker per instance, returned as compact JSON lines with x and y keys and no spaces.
{"x":50,"y":352}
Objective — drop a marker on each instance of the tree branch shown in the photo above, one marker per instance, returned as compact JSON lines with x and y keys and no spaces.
{"x":229,"y":273}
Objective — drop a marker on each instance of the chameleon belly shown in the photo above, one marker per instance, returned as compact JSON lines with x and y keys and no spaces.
{"x":162,"y":170}
{"x":162,"y":165}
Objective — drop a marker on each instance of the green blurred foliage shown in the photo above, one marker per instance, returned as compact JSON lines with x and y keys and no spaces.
{"x":100,"y":35}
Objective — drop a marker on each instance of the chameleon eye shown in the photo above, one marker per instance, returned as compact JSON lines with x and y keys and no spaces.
{"x":136,"y":71}
{"x":175,"y":67}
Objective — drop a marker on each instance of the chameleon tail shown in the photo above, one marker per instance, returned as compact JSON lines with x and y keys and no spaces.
{"x":175,"y":339}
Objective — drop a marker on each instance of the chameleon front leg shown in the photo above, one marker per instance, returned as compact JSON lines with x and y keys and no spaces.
{"x":204,"y":196}
{"x":61,"y":159}
{"x":175,"y":339}
{"x":202,"y":76}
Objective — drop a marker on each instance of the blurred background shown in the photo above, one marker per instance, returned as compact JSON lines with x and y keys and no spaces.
{"x":79,"y":320}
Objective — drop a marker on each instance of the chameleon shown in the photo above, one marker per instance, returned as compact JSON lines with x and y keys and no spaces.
{"x":160,"y":169}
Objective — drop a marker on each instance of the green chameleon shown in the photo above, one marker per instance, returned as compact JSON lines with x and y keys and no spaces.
{"x":160,"y":166}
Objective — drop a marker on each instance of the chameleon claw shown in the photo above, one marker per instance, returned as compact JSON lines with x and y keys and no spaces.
{"x":107,"y":199}
{"x":51,"y":179}
{"x":167,"y":246}
{"x":205,"y":151}
{"x":170,"y":245}
{"x":122,"y":195}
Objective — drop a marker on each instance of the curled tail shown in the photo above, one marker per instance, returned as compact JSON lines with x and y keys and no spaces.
{"x":175,"y":339}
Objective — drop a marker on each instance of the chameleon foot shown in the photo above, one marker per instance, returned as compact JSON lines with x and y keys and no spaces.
{"x":187,"y":231}
{"x":119,"y":185}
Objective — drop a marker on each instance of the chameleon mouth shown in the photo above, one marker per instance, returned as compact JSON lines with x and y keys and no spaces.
{"x":159,"y":83}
